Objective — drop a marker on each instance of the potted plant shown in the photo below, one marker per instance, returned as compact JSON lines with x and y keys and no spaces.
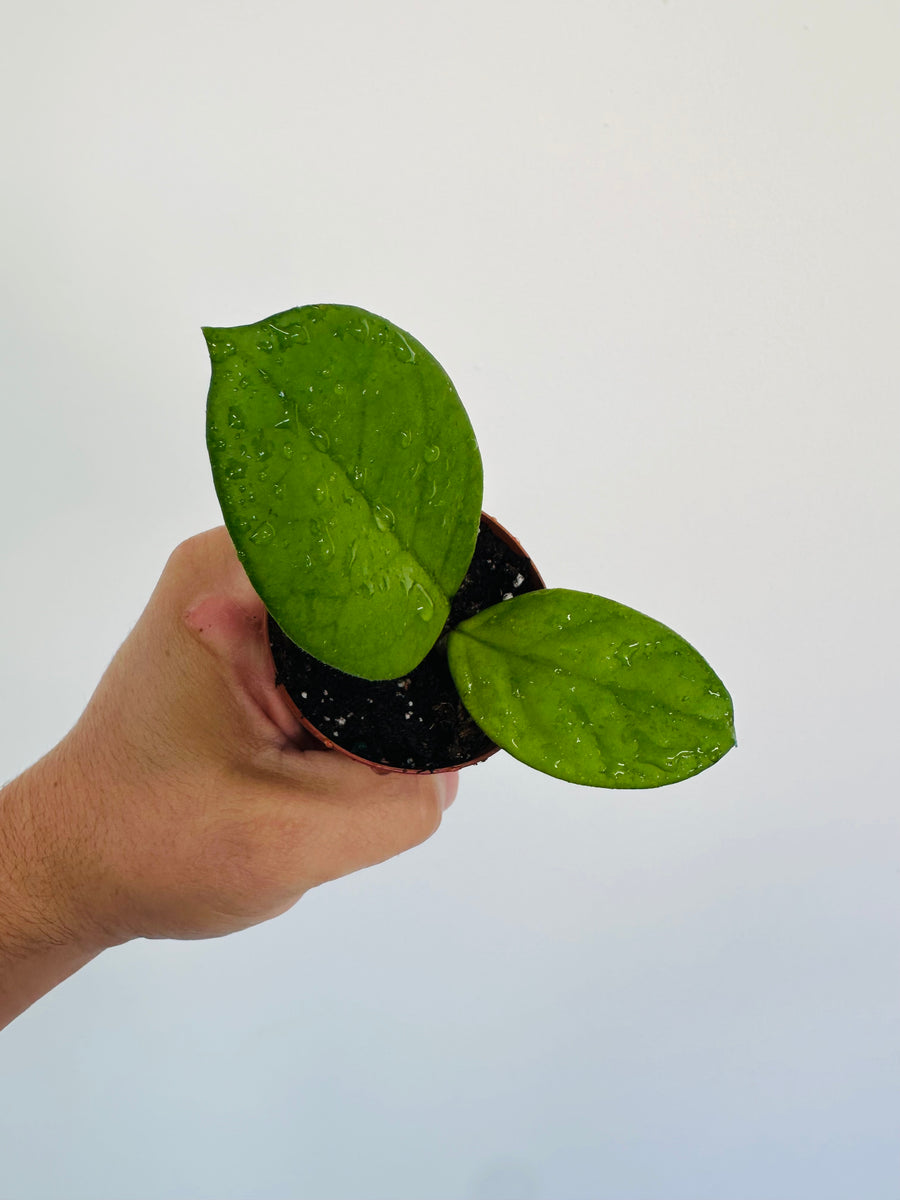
{"x":351,"y":484}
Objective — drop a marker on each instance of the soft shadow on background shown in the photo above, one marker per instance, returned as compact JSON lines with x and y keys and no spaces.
{"x":655,"y":246}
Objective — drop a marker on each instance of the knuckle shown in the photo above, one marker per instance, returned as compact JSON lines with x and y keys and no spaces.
{"x":195,"y":548}
{"x":186,"y":551}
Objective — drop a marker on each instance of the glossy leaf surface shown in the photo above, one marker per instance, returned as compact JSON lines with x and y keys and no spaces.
{"x":349,"y":479}
{"x":591,"y":691}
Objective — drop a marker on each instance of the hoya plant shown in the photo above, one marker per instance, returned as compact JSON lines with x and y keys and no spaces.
{"x":350,"y":481}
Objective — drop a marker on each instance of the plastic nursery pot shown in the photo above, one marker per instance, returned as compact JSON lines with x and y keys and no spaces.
{"x":416,"y":724}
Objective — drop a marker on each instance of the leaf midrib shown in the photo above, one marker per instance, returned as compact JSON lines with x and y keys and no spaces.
{"x":371,"y":505}
{"x":540,"y":660}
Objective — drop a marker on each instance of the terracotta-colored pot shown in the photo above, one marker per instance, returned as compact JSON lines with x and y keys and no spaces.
{"x":533,"y":582}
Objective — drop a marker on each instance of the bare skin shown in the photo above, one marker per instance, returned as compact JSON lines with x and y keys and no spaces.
{"x":187,"y":802}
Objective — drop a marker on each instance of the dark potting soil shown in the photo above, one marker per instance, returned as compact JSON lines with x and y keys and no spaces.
{"x":418,"y":721}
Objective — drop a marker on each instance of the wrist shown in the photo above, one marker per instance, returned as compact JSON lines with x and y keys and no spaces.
{"x":42,"y":941}
{"x":44,"y":884}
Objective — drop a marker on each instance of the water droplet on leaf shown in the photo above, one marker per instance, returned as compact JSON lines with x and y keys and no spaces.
{"x":384,"y":518}
{"x":219,"y":351}
{"x":403,"y":350}
{"x":424,"y":603}
{"x":295,"y":334}
{"x":263,"y":534}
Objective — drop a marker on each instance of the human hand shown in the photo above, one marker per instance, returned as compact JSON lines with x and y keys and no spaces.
{"x":188,"y":802}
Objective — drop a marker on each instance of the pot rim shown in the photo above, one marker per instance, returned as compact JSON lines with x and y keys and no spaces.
{"x":385,"y":768}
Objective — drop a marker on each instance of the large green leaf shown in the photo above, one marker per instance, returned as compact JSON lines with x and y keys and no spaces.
{"x":591,"y":691}
{"x":349,"y":479}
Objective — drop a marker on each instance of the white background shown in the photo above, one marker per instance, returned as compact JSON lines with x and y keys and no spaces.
{"x":656,"y":247}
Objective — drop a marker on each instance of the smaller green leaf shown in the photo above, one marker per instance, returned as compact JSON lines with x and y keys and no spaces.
{"x":591,"y":691}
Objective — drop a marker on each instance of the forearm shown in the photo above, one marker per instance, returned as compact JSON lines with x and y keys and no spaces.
{"x":41,"y":943}
{"x":30,"y":969}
